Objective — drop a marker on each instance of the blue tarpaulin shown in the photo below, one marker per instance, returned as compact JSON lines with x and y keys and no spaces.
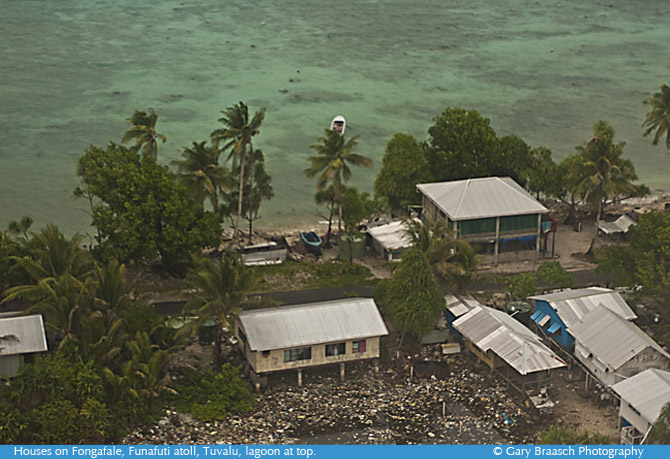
{"x":535,"y":315}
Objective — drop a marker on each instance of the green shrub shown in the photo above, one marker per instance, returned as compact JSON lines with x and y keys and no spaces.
{"x":522,"y":285}
{"x":559,"y":435}
{"x":553,"y":274}
{"x":211,"y":396}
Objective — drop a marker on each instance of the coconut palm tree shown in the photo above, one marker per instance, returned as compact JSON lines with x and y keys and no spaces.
{"x":219,"y":287}
{"x":51,"y":254}
{"x":201,"y":172}
{"x":452,"y":259}
{"x":658,"y":118}
{"x":603,"y":174}
{"x":236,"y":133}
{"x":331,"y":164}
{"x":143,"y":132}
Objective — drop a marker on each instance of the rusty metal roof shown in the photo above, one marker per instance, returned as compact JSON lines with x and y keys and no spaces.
{"x":490,"y":329}
{"x":481,"y":198}
{"x":22,"y":335}
{"x":312,"y":323}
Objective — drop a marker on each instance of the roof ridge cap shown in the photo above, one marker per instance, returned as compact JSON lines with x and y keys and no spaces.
{"x":460,"y":201}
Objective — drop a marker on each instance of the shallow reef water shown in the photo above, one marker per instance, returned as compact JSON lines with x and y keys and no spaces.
{"x":72,"y":71}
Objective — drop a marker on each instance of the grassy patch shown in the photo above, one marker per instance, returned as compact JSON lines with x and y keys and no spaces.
{"x":293,"y":275}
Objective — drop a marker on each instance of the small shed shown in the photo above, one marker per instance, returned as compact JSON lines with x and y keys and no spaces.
{"x":390,"y":240}
{"x":614,"y":349}
{"x":19,"y":336}
{"x":307,"y":335}
{"x":485,"y":210}
{"x":557,"y":312}
{"x":643,"y":396}
{"x":506,"y":345}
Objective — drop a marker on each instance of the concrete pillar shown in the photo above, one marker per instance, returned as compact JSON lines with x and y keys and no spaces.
{"x":497,"y":243}
{"x":456,"y":228}
{"x":375,"y":362}
{"x":539,"y":232}
{"x":342,"y":371}
{"x":299,"y":377}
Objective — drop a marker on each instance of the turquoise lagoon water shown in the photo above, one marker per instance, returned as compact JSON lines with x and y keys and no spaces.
{"x":72,"y":71}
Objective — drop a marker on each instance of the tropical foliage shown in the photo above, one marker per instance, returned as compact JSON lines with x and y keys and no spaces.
{"x":452,"y":259}
{"x":403,"y":166}
{"x":237,"y":133}
{"x":218,"y":290}
{"x":213,"y":395}
{"x":660,"y":431}
{"x":552,"y":273}
{"x":332,"y":165}
{"x":560,"y":435}
{"x":411,"y":297}
{"x":141,"y":211}
{"x":202,"y":174}
{"x":658,"y":117}
{"x":522,"y":285}
{"x":143,"y":132}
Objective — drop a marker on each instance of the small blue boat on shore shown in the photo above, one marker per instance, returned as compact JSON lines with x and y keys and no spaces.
{"x":312,"y":241}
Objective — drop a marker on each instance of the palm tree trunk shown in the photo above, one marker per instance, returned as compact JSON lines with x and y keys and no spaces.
{"x":218,"y":339}
{"x":251,"y":187}
{"x":238,"y":231}
{"x":330,"y":220}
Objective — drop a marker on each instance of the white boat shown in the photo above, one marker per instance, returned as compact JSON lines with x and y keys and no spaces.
{"x":338,"y":124}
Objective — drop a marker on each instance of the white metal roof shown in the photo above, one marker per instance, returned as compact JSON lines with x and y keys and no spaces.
{"x":312,"y":323}
{"x":573,"y":305}
{"x":481,"y":198}
{"x":620,"y":225}
{"x":611,"y":338}
{"x":647,"y":392}
{"x":22,"y":335}
{"x":391,"y":236}
{"x":489,"y":328}
{"x":459,"y":305}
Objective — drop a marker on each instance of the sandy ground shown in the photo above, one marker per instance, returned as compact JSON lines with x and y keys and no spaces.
{"x":583,"y":411}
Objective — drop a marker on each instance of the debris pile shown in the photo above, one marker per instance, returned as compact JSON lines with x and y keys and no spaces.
{"x":460,"y":407}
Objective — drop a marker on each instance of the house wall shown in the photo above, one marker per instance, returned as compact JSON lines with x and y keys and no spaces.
{"x":9,"y":365}
{"x":488,"y":358}
{"x":274,"y":359}
{"x":630,"y":414}
{"x":562,"y":336}
{"x":648,"y":358}
{"x":595,"y":366}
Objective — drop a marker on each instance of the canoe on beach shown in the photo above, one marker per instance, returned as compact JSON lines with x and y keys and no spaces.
{"x":312,"y":241}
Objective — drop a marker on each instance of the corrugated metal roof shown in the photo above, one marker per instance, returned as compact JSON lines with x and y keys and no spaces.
{"x":481,"y":198}
{"x":573,"y":305}
{"x":23,"y":335}
{"x":391,"y":236}
{"x":312,"y":323}
{"x":489,"y":328}
{"x":459,"y":305}
{"x":611,"y":338}
{"x":620,"y":225}
{"x":647,"y":392}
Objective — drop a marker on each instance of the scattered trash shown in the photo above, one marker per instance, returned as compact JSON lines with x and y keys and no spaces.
{"x":458,"y":406}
